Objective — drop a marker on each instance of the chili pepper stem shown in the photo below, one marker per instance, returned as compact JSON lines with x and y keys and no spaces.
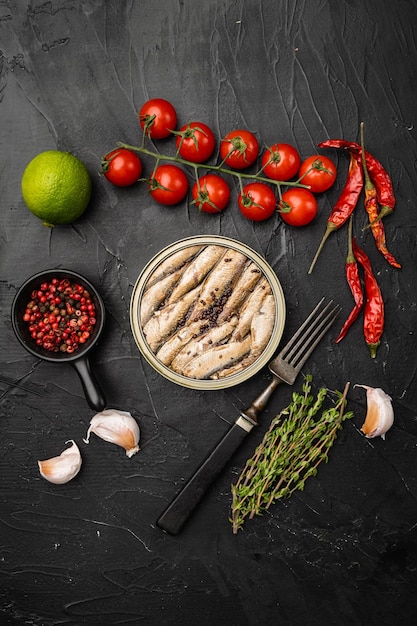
{"x":369,"y":186}
{"x":385,"y":210}
{"x":330,"y":228}
{"x":350,"y":258}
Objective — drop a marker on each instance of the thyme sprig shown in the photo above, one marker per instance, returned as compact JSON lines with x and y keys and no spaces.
{"x":297,"y":441}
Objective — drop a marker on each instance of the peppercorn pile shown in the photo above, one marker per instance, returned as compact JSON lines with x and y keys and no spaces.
{"x":61,"y":315}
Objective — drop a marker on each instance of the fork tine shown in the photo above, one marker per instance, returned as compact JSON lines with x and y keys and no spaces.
{"x":299,"y":348}
{"x":315,"y":337}
{"x":303,"y":327}
{"x":287,"y":365}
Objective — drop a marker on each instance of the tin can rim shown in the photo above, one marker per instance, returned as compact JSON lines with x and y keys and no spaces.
{"x":234,"y":379}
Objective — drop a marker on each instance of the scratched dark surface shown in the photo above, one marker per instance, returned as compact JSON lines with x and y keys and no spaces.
{"x":73,"y":76}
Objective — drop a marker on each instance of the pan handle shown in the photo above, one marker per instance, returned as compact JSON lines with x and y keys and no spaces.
{"x":93,"y":393}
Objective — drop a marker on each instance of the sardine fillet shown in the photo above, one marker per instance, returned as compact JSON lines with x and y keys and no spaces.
{"x":164,"y":322}
{"x":197,"y":346}
{"x":262,"y":325}
{"x":156,"y":294}
{"x":250,"y":307}
{"x":217,"y":358}
{"x":196,"y":271}
{"x":223,"y":275}
{"x":260,"y":332}
{"x":244,"y":286}
{"x":172,"y":263}
{"x":169,"y":350}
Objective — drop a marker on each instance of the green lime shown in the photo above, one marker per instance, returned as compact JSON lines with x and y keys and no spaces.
{"x":56,"y":187}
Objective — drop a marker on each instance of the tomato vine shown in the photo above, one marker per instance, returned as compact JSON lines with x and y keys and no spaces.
{"x":214,"y":168}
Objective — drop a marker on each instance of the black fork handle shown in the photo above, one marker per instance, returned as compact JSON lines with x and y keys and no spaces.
{"x":177,"y":513}
{"x":258,"y":405}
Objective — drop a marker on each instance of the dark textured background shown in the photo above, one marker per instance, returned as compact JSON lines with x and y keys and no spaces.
{"x":72,"y":76}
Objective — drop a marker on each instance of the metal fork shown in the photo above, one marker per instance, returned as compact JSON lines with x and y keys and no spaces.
{"x":285,"y":369}
{"x":287,"y":365}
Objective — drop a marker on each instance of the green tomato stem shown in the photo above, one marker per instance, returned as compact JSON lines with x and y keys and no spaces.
{"x":215,"y":168}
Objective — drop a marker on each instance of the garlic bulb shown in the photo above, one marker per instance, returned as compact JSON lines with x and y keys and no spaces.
{"x":117,"y":427}
{"x":380,"y":414}
{"x":61,"y":469}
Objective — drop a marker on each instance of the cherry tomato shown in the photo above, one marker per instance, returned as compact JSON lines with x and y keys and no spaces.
{"x":211,"y":194}
{"x":239,"y":149}
{"x":158,"y":117}
{"x":195,"y":142}
{"x":122,"y":167}
{"x":319,"y":172}
{"x":168,"y":185}
{"x":298,"y":207}
{"x":280,"y":161}
{"x":257,"y":202}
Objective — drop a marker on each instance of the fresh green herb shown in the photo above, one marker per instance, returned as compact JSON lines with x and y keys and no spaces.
{"x":298,"y":440}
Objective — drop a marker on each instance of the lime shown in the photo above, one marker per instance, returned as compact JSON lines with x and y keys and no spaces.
{"x":56,"y":187}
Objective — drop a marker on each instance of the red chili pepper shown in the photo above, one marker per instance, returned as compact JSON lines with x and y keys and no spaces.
{"x":354,"y":282}
{"x":371,"y":206}
{"x":377,"y":173}
{"x":345,"y":204}
{"x":373,"y":324}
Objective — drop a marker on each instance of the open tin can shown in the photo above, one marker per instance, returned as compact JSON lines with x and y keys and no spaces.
{"x":162,"y":259}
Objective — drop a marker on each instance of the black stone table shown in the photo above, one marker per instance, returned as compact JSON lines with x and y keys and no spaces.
{"x":73,"y":76}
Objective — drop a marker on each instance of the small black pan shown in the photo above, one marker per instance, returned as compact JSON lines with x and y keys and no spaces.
{"x":78,"y":359}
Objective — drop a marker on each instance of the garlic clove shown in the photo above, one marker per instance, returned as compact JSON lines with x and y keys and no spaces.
{"x":61,"y":469}
{"x":117,"y":427}
{"x":380,"y":414}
